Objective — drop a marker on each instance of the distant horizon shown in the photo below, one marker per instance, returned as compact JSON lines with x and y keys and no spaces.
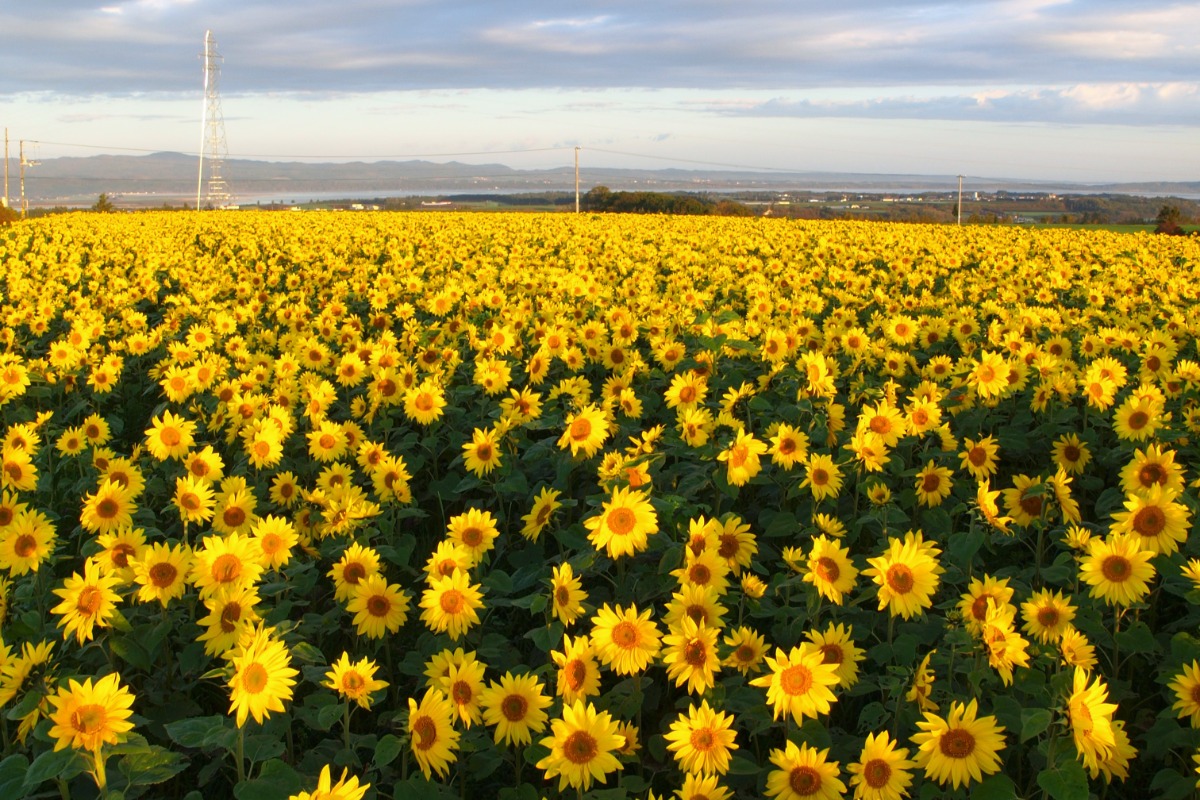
{"x":1102,"y":92}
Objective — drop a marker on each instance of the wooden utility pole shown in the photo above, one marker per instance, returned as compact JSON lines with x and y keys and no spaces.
{"x":960,"y":177}
{"x":577,"y":179}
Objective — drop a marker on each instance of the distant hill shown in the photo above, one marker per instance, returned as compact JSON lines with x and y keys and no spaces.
{"x":160,"y":178}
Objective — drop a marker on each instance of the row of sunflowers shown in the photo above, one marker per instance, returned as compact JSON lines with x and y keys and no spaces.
{"x":520,"y":506}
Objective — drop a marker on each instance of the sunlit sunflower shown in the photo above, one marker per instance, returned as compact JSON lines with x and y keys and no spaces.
{"x":262,"y":677}
{"x":17,"y":471}
{"x":1157,"y":521}
{"x":748,"y":648}
{"x":702,"y":740}
{"x":431,"y":732}
{"x":161,"y":572}
{"x":1186,"y":685}
{"x":960,"y":748}
{"x":194,"y":499}
{"x":451,"y":604}
{"x":624,"y":640}
{"x":973,"y":605}
{"x":566,"y":594}
{"x":838,"y":649}
{"x":347,"y":787}
{"x":804,"y":773}
{"x":120,"y":549}
{"x":624,"y":524}
{"x":1091,"y":720}
{"x":989,"y":375}
{"x":933,"y":484}
{"x":1151,"y":467}
{"x":829,"y":569}
{"x":1118,"y":569}
{"x":922,"y":685}
{"x":424,"y":403}
{"x":883,"y":771}
{"x":822,"y":477}
{"x":276,"y":537}
{"x":789,"y":446}
{"x":88,"y":716}
{"x":481,"y":455}
{"x":581,"y":747}
{"x":354,"y":680}
{"x":586,"y":431}
{"x":170,"y":436}
{"x":515,"y":707}
{"x":1075,"y":650}
{"x":226,"y":563}
{"x":110,"y":508}
{"x":907,"y":574}
{"x":1071,"y":454}
{"x":799,"y":683}
{"x":742,"y":458}
{"x":980,"y":458}
{"x":578,"y":676}
{"x":1047,"y":615}
{"x":475,"y":530}
{"x":544,"y":506}
{"x":378,"y":607}
{"x":356,"y":565}
{"x":88,"y":600}
{"x":463,"y":683}
{"x":690,"y":654}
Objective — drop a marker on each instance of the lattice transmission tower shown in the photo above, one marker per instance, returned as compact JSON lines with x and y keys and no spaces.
{"x":212,"y":132}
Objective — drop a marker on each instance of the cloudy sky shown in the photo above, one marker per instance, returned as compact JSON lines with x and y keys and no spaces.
{"x":1081,"y":90}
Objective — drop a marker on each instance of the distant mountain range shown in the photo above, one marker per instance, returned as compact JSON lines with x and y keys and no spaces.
{"x":171,"y":178}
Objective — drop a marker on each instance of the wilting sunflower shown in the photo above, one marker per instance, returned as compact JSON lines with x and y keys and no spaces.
{"x":908,"y":574}
{"x":515,"y":707}
{"x":624,"y":524}
{"x":431,"y":733}
{"x":263,"y":677}
{"x":804,"y":773}
{"x":800,"y":683}
{"x":378,"y":607}
{"x":960,"y":748}
{"x":1118,"y":569}
{"x":702,"y":739}
{"x":625,"y":640}
{"x":883,"y":771}
{"x":581,"y":747}
{"x":451,"y":604}
{"x":922,"y":685}
{"x":88,"y":600}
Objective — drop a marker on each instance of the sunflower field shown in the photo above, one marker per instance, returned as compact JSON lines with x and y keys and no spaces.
{"x":518,"y":506}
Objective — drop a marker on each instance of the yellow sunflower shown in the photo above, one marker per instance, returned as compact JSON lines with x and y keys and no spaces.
{"x":578,"y":676}
{"x":544,"y":506}
{"x":822,"y":477}
{"x":742,"y":458}
{"x":1186,"y":686}
{"x":354,"y":680}
{"x":88,"y":716}
{"x":1160,"y":523}
{"x":378,"y":607}
{"x":702,"y":740}
{"x":960,"y":748}
{"x":1117,"y":569}
{"x":883,"y":771}
{"x":262,"y":677}
{"x":907,"y":574}
{"x":481,"y":455}
{"x":1091,"y":720}
{"x":690,"y":654}
{"x":624,"y":523}
{"x":586,"y":431}
{"x":804,"y":773}
{"x":515,"y":707}
{"x":581,"y":747}
{"x":800,"y":683}
{"x":110,"y":508}
{"x":566,"y":594}
{"x":830,"y":570}
{"x":431,"y":733}
{"x":451,"y":604}
{"x":88,"y":600}
{"x":625,"y":640}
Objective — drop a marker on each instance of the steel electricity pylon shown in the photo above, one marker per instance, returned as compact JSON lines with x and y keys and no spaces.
{"x":215,"y":192}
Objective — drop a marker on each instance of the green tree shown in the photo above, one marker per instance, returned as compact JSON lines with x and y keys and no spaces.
{"x":103,"y":205}
{"x":1168,"y":220}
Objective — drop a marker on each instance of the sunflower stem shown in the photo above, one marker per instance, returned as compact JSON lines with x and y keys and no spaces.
{"x":346,"y":726}
{"x":241,"y":754}
{"x":101,"y":776}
